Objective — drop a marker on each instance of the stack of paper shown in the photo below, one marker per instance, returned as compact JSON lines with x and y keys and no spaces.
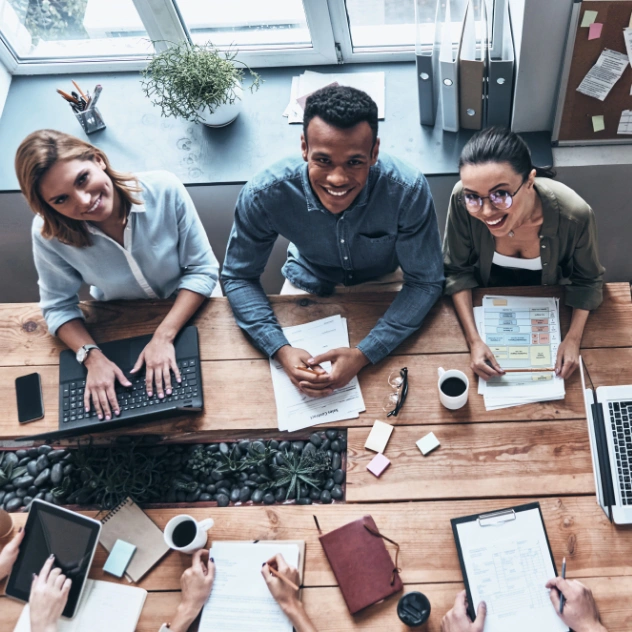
{"x":295,"y":410}
{"x":523,"y":333}
{"x":302,"y":86}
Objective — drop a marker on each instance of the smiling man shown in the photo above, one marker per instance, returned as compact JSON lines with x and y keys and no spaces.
{"x":352,"y":218}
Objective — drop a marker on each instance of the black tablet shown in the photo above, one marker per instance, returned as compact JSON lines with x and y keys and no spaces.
{"x":71,"y":537}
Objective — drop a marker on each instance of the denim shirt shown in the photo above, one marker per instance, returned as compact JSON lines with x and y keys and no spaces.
{"x":165,"y":250}
{"x":391,"y":223}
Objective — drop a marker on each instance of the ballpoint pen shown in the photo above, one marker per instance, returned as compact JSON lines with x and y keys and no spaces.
{"x":563,"y":577}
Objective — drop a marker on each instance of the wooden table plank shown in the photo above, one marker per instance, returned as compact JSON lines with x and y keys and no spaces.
{"x":238,"y":395}
{"x":24,"y":339}
{"x":475,"y":460}
{"x":576,"y":526}
{"x":327,"y":609}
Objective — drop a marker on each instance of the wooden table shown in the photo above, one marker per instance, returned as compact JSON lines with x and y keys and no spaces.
{"x":487,"y":460}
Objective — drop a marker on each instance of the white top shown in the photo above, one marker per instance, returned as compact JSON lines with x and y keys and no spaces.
{"x":516,"y":262}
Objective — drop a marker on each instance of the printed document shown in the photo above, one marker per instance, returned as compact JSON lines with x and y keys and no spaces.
{"x":604,"y":74}
{"x":522,"y":332}
{"x":240,"y":600}
{"x":507,"y":565}
{"x":296,"y":410}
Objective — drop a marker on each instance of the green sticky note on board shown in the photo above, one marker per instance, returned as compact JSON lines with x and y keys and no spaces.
{"x":599,"y":125}
{"x":589,"y":18}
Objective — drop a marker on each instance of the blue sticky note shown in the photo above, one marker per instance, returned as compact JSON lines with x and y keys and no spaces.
{"x":119,"y":558}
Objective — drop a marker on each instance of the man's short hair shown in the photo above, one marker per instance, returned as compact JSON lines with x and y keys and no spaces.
{"x":342,"y":107}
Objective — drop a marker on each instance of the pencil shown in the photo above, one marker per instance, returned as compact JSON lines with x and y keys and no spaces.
{"x":563,"y":577}
{"x":305,"y":369}
{"x":85,"y":98}
{"x":68,"y":97}
{"x":528,"y":370}
{"x":283,"y":578}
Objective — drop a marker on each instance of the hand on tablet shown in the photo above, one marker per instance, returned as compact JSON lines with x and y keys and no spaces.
{"x":9,"y":554}
{"x":49,"y":594}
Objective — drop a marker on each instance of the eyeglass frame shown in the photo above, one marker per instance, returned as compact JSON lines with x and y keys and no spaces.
{"x":402,"y":391}
{"x":482,"y":198}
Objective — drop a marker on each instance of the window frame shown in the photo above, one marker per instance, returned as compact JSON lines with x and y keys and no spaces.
{"x":327,"y":21}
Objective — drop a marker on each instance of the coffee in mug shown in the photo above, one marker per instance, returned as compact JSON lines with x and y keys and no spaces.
{"x":453,"y":388}
{"x":184,"y":533}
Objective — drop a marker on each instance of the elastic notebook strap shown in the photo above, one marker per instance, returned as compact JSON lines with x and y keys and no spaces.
{"x":396,"y":570}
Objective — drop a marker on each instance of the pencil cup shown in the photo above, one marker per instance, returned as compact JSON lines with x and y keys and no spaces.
{"x":90,"y":120}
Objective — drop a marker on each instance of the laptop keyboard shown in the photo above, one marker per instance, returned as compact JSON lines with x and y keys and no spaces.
{"x":621,"y":415}
{"x":132,"y":398}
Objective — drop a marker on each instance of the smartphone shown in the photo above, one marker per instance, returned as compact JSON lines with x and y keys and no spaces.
{"x":28,"y":389}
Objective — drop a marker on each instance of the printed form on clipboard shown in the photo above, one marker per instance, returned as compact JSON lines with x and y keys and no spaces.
{"x":506,"y":561}
{"x":522,"y":333}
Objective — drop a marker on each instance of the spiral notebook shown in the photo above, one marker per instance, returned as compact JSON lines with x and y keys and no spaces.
{"x":130,"y":523}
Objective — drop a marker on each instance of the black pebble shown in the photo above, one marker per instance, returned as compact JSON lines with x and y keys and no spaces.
{"x":298,"y":446}
{"x":31,"y":468}
{"x":22,"y":482}
{"x":21,"y":453}
{"x":315,"y":439}
{"x":268,"y":498}
{"x":329,"y":484}
{"x":58,"y":455}
{"x":280,"y":493}
{"x":324,"y":446}
{"x":49,"y":498}
{"x":222,"y":500}
{"x":284,"y":446}
{"x":335,"y":446}
{"x":304,"y":501}
{"x":27,"y":500}
{"x":336,"y":461}
{"x":234,"y":494}
{"x":325,"y":497}
{"x":211,"y":489}
{"x":339,"y":477}
{"x":331,"y":434}
{"x":336,"y":492}
{"x":257,"y":496}
{"x":205,"y":497}
{"x":13,"y":505}
{"x":23,"y":461}
{"x":223,"y":448}
{"x":244,"y":494}
{"x":44,"y":449}
{"x":32,"y":453}
{"x":21,"y":493}
{"x":32,"y":490}
{"x":314,"y":494}
{"x":57,"y":473}
{"x":42,"y":478}
{"x":193,"y":496}
{"x":42,"y":462}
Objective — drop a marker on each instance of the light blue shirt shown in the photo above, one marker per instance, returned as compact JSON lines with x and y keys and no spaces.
{"x":166,"y":249}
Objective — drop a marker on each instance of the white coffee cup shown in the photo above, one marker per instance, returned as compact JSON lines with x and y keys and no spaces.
{"x":198,"y":541}
{"x":6,"y":523}
{"x":453,"y":403}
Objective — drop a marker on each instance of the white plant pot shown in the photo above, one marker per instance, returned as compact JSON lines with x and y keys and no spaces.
{"x":225,"y":113}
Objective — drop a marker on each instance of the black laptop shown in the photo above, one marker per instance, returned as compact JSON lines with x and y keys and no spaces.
{"x":136,"y":407}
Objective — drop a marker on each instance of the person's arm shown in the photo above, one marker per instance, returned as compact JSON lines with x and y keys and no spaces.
{"x":584,"y":294}
{"x":458,"y":620}
{"x":9,"y":553}
{"x":418,"y":250}
{"x":249,"y":247}
{"x":482,"y":360}
{"x":580,"y":610}
{"x":196,"y":584}
{"x":200,"y":274}
{"x":59,"y":285}
{"x":285,"y":595}
{"x":48,"y":598}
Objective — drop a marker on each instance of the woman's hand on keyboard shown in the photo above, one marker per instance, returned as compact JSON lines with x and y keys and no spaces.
{"x":102,"y":376}
{"x":159,"y":358}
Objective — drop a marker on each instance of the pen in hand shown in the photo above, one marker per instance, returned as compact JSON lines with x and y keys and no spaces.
{"x":562,"y":594}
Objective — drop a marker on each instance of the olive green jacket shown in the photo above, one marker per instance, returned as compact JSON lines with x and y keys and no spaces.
{"x":568,"y":238}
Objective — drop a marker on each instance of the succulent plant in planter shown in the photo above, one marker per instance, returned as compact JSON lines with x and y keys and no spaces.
{"x":198,"y":83}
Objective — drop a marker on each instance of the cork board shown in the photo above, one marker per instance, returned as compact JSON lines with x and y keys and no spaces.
{"x":578,"y":109}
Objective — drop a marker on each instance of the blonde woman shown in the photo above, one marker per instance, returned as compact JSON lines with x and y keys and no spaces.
{"x":128,"y":237}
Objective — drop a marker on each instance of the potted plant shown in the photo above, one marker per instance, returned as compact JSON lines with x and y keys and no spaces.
{"x":198,"y":83}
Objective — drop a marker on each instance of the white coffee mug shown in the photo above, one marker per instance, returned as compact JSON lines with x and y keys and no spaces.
{"x":453,"y":403}
{"x":198,"y":541}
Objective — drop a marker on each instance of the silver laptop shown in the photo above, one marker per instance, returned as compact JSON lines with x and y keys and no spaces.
{"x":609,"y":414}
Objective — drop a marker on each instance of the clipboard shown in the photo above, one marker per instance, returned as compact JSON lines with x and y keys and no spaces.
{"x":499,"y":545}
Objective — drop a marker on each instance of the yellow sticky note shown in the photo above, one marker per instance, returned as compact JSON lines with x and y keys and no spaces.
{"x":519,"y":353}
{"x":379,"y":436}
{"x":541,"y":355}
{"x":599,"y":125}
{"x":589,"y":18}
{"x":499,"y":302}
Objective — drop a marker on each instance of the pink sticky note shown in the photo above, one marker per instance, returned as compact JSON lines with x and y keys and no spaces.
{"x":594,"y":32}
{"x":378,"y":464}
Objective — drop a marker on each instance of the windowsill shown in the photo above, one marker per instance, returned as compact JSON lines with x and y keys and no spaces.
{"x":138,"y":139}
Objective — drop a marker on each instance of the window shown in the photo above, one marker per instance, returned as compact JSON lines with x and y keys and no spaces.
{"x":71,"y":29}
{"x":38,"y":36}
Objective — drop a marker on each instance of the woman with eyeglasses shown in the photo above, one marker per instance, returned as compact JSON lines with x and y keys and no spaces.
{"x":510,"y":224}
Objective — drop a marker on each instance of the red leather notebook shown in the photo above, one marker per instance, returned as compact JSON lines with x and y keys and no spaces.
{"x":361,"y":564}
